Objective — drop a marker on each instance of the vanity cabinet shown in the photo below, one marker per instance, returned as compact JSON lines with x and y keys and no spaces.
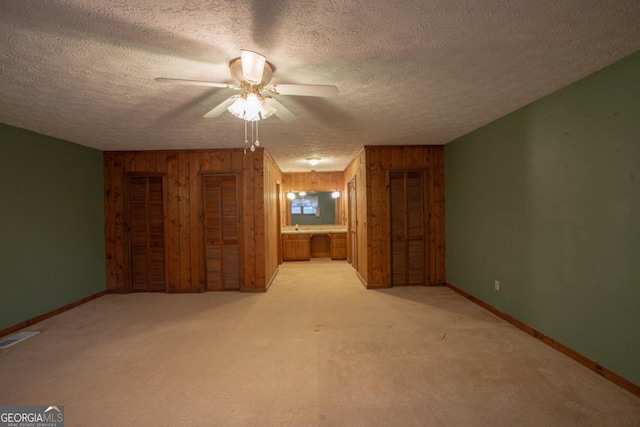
{"x":338,"y":245}
{"x":296,"y":247}
{"x":315,"y":244}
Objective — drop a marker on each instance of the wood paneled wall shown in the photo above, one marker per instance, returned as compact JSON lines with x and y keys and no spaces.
{"x":312,"y":181}
{"x":181,"y":171}
{"x":258,"y":177}
{"x":379,"y":161}
{"x":357,"y":170}
{"x":272,"y":218}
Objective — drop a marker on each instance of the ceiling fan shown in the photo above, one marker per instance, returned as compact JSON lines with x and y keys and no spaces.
{"x":252,"y":73}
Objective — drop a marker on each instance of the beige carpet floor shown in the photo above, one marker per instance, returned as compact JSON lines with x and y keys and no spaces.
{"x":318,"y":349}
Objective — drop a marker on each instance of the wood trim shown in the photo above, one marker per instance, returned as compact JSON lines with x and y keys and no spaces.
{"x":364,"y":282}
{"x":580,"y":358}
{"x":49,"y":314}
{"x":381,"y":286}
{"x":184,"y":291}
{"x":273,"y":278}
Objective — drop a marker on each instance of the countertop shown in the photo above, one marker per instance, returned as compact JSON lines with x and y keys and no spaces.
{"x":310,"y":229}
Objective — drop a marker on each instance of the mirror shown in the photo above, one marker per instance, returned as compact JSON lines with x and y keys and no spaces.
{"x":312,"y":208}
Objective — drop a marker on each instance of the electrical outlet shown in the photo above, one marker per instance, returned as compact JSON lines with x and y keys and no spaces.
{"x":497,"y":285}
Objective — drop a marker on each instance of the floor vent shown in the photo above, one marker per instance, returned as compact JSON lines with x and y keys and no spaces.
{"x":15,"y":339}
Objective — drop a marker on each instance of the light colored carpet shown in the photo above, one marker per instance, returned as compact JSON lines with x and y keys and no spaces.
{"x":316,"y":350}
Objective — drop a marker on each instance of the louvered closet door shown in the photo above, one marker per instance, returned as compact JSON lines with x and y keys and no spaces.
{"x":221,"y":217}
{"x":146,"y":220}
{"x":407,"y":228}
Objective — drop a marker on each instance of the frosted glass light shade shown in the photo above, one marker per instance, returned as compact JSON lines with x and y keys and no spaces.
{"x":237,"y":108}
{"x":252,"y":108}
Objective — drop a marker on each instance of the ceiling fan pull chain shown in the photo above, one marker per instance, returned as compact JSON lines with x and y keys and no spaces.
{"x":253,"y":147}
{"x":257,"y":142}
{"x":246,"y":141}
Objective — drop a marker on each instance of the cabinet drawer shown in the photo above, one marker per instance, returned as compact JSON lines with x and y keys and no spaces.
{"x":339,"y":243}
{"x":339,"y":246}
{"x":339,"y":240}
{"x":338,"y":253}
{"x":295,"y":236}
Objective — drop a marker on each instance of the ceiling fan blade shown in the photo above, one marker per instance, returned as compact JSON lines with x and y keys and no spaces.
{"x":193,"y":82}
{"x":252,"y":66}
{"x":221,"y":108}
{"x":281,"y":111}
{"x":304,"y":90}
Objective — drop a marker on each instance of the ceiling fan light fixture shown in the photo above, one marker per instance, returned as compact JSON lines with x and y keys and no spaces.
{"x":313,"y":161}
{"x":251,"y":108}
{"x":237,"y":108}
{"x":266,"y":109}
{"x":252,"y":73}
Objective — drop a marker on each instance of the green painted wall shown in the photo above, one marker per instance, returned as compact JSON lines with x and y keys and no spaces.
{"x":51,"y":224}
{"x":547,"y":201}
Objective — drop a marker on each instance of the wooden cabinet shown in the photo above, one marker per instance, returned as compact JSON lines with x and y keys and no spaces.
{"x":296,"y":247}
{"x":338,"y":245}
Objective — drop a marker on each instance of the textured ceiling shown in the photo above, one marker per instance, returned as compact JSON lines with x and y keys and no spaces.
{"x":409,"y":72}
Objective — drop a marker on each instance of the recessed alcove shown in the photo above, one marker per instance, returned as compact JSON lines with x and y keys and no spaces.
{"x":320,"y":246}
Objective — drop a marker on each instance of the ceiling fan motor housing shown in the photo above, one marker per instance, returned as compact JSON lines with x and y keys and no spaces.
{"x":235,"y":67}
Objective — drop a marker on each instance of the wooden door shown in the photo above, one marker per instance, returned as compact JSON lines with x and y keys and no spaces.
{"x":146,"y":233}
{"x":408,"y":218}
{"x":221,"y":232}
{"x":279,"y":221}
{"x":353,"y":235}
